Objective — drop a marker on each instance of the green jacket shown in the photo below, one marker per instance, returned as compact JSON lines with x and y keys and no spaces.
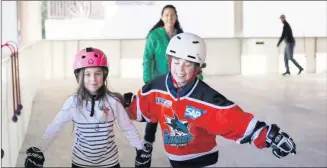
{"x":155,"y":62}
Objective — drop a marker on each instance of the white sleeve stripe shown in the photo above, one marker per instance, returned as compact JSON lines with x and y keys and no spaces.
{"x":139,"y":114}
{"x":209,"y":104}
{"x":249,"y":130}
{"x":138,"y":110}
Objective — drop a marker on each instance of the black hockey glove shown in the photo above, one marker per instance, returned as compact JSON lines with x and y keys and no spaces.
{"x":280,"y":142}
{"x":127,"y":99}
{"x":35,"y":158}
{"x":143,"y":157}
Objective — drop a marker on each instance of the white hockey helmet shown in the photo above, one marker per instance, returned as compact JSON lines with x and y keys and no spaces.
{"x":187,"y":46}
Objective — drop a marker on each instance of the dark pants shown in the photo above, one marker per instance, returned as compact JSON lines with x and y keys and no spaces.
{"x":150,"y":132}
{"x":288,"y":55}
{"x":199,"y":162}
{"x":75,"y":166}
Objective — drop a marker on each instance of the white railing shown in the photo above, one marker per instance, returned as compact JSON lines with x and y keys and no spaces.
{"x":225,"y":56}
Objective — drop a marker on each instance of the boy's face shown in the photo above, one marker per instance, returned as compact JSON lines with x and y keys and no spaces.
{"x":182,"y":70}
{"x":93,"y":79}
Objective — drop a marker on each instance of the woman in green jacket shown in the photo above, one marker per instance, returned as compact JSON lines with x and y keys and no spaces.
{"x":154,"y":58}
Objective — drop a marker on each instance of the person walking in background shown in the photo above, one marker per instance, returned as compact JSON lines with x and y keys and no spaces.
{"x":154,"y":59}
{"x":287,"y":34}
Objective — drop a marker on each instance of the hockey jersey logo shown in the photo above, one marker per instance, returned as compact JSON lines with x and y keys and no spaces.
{"x":193,"y":113}
{"x":179,"y":132}
{"x":163,"y":102}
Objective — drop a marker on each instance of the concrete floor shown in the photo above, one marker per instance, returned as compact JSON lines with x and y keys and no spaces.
{"x":297,"y":104}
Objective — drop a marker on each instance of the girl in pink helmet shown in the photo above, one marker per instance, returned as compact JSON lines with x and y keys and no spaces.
{"x":93,"y":110}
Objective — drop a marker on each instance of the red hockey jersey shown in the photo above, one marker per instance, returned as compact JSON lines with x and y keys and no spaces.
{"x":190,"y":125}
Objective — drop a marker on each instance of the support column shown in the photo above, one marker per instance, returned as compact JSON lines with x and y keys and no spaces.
{"x":238,"y":18}
{"x":310,"y":53}
{"x":238,"y":30}
{"x":30,"y":22}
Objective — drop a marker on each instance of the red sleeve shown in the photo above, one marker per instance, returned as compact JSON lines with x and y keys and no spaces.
{"x":235,"y":124}
{"x":140,"y":108}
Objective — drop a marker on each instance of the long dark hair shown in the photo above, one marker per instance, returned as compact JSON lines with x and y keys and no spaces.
{"x":82,"y":94}
{"x":160,"y":23}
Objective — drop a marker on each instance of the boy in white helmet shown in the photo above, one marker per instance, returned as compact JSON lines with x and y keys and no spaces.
{"x":191,"y":114}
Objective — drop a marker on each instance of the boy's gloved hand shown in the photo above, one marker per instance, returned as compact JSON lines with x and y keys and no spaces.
{"x":35,"y":158}
{"x":127,"y":99}
{"x":280,"y":142}
{"x":143,"y":157}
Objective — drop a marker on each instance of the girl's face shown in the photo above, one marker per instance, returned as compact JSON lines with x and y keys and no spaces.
{"x":169,"y":17}
{"x":93,"y":79}
{"x":182,"y":70}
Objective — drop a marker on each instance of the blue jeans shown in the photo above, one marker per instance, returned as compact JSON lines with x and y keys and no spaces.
{"x":288,"y":55}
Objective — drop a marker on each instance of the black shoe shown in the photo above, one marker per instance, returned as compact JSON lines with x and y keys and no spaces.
{"x":286,"y":73}
{"x":300,"y":71}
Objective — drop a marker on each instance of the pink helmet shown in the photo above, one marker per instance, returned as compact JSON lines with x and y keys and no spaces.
{"x":90,"y":57}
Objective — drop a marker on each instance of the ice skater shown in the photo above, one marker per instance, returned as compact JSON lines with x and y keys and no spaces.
{"x":154,"y":59}
{"x":93,"y":110}
{"x":191,"y":113}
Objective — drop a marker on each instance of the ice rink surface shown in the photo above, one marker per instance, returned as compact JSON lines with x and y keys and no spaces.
{"x":297,"y":104}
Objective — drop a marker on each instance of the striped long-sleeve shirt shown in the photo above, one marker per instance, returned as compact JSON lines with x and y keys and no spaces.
{"x":94,"y":143}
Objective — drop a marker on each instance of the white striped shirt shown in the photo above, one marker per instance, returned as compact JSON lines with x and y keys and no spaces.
{"x":94,"y":143}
